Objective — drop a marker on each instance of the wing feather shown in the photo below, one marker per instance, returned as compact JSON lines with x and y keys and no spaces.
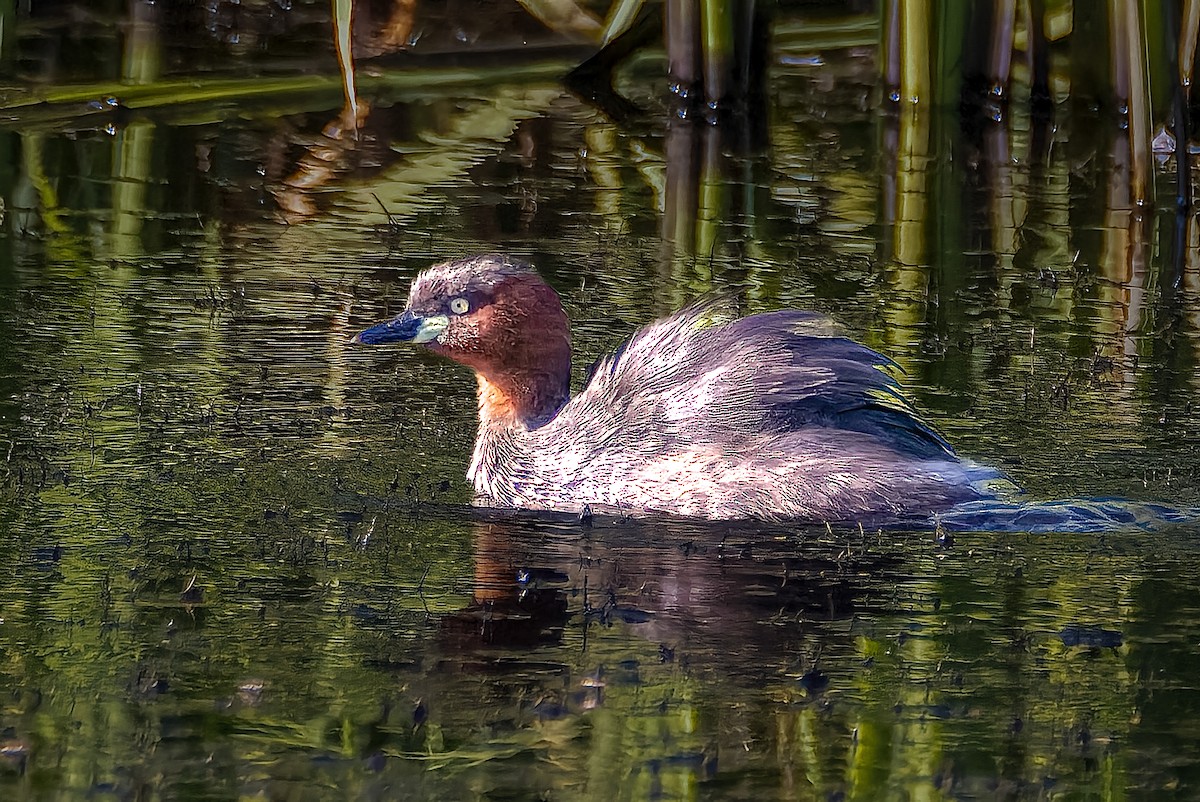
{"x":704,"y":374}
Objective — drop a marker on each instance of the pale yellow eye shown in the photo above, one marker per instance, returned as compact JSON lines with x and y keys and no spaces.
{"x":459,"y":306}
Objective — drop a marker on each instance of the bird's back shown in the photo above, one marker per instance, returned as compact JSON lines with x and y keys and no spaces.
{"x":706,"y":414}
{"x":702,"y":375}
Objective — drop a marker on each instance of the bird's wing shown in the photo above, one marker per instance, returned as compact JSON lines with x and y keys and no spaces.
{"x":704,"y":375}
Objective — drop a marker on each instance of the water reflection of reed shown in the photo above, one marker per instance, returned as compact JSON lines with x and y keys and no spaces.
{"x":709,"y":605}
{"x":639,"y":642}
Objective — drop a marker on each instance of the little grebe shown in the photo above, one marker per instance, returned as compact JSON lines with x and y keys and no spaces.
{"x":699,"y":414}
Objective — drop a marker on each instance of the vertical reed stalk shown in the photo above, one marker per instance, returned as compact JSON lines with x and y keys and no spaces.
{"x":133,"y":146}
{"x":1093,"y":48}
{"x":1119,"y":49}
{"x":1185,"y":57}
{"x":1007,"y":202}
{"x":747,"y":41}
{"x":683,"y":43}
{"x":710,"y":199}
{"x":33,"y":157}
{"x":1039,"y":56}
{"x":959,"y":65}
{"x":1041,"y":101}
{"x":1124,"y":248}
{"x":1187,"y":42}
{"x":680,"y":189}
{"x":1001,"y":47}
{"x":1139,"y":103}
{"x":914,"y":44}
{"x":891,"y":49}
{"x":8,"y":30}
{"x":904,"y":306}
{"x":1180,"y":124}
{"x":133,"y":158}
{"x":343,"y":19}
{"x":909,"y":274}
{"x":717,"y":41}
{"x":604,"y":168}
{"x":1191,"y":260}
{"x":142,"y":53}
{"x":912,"y":177}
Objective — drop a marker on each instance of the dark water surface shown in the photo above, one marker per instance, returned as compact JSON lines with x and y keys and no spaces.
{"x":237,"y":556}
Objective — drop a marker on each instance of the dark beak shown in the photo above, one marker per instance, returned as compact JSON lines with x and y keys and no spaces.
{"x":401,"y":329}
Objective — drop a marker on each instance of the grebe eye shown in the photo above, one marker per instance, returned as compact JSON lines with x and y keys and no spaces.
{"x":459,"y":306}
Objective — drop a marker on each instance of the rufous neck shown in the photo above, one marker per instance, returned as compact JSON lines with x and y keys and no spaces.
{"x":526,"y":399}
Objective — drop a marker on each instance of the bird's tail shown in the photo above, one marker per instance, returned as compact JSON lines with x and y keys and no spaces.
{"x":1065,"y":515}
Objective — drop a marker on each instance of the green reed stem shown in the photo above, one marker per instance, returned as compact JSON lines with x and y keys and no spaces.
{"x":717,"y":44}
{"x":914,"y":44}
{"x":1139,"y":102}
{"x":343,"y":20}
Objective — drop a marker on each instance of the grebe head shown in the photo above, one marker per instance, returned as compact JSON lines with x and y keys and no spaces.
{"x":495,"y":315}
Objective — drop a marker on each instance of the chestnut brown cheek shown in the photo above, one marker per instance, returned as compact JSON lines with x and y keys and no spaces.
{"x":465,"y":343}
{"x":488,"y":334}
{"x":462,"y":337}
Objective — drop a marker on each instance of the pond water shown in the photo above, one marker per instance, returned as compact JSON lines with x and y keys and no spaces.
{"x":238,"y":555}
